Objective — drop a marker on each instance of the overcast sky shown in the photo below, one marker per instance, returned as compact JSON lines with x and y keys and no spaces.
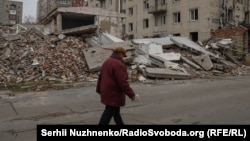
{"x":29,"y":7}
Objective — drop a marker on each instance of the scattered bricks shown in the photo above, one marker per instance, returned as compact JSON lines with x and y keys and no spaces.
{"x":29,"y":57}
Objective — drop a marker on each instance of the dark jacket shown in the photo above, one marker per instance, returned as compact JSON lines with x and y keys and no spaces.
{"x":112,"y":82}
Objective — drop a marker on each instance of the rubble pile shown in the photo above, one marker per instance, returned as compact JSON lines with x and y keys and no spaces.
{"x":180,"y":58}
{"x":29,"y":57}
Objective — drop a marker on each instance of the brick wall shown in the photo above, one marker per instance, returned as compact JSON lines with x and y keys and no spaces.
{"x":239,"y":35}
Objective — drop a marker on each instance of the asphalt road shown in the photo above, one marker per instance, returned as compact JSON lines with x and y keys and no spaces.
{"x":191,"y":102}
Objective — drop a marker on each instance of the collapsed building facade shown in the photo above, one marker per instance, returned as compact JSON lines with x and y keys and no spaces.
{"x":77,"y":16}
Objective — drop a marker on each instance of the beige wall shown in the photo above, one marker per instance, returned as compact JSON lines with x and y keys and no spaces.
{"x":209,"y":17}
{"x":207,"y":11}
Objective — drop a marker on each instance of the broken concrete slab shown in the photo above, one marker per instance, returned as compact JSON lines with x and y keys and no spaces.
{"x":204,"y":61}
{"x":164,"y":41}
{"x":171,"y":56}
{"x":192,"y":46}
{"x":174,"y":66}
{"x":78,"y":30}
{"x":151,"y":48}
{"x":231,"y":58}
{"x":167,"y":73}
{"x":186,"y":60}
{"x":126,"y":45}
{"x":225,"y":43}
{"x":113,"y":38}
{"x":95,"y":57}
{"x":101,"y":39}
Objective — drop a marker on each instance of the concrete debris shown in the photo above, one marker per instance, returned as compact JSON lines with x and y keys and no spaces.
{"x":96,"y":55}
{"x":151,"y":48}
{"x":170,"y":56}
{"x":164,"y":41}
{"x":226,"y":43}
{"x":100,"y":39}
{"x":192,"y":46}
{"x":187,"y":57}
{"x":78,"y":30}
{"x":204,"y":61}
{"x":167,"y":73}
{"x":186,"y":60}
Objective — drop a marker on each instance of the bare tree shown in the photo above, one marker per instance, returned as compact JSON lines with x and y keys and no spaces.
{"x":29,"y":20}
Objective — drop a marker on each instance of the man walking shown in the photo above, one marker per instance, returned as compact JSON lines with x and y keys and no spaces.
{"x":113,"y":87}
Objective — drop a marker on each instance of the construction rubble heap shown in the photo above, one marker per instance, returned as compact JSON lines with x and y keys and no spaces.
{"x":29,"y":56}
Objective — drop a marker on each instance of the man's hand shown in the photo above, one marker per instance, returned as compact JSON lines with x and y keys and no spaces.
{"x":136,"y":98}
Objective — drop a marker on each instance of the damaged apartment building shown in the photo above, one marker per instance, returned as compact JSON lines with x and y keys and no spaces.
{"x":199,"y":20}
{"x":145,"y":18}
{"x":11,"y":12}
{"x":189,"y":18}
{"x":72,"y":17}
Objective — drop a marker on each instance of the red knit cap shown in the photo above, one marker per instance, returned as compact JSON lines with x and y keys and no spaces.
{"x":120,"y":50}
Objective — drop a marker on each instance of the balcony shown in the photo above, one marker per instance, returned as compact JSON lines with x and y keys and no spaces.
{"x":157,"y":9}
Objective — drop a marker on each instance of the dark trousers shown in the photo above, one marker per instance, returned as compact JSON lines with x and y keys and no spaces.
{"x":110,"y":112}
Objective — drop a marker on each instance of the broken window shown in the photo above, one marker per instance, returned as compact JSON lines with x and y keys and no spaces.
{"x":130,"y":27}
{"x":177,"y":17}
{"x":194,"y":36}
{"x":123,"y":11}
{"x":131,"y":37}
{"x":156,"y":21}
{"x":123,"y":28}
{"x":177,"y":35}
{"x":163,"y":20}
{"x":145,"y":5}
{"x":194,"y":14}
{"x":102,"y":4}
{"x":230,"y":15}
{"x":131,"y":11}
{"x":12,"y":7}
{"x":247,"y":17}
{"x":12,"y":17}
{"x":145,"y":23}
